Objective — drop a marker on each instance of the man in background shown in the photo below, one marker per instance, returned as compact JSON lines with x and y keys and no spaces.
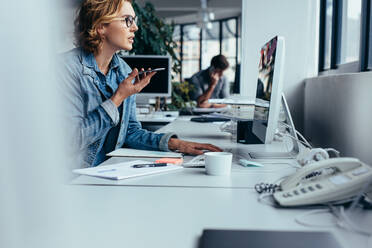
{"x":210,"y":83}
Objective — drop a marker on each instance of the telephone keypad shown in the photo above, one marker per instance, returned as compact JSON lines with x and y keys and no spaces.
{"x":360,"y":171}
{"x":311,"y":188}
{"x":303,"y":190}
{"x":285,"y":195}
{"x":318,"y":186}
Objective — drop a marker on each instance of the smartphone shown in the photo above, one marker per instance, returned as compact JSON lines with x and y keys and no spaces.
{"x":157,"y":69}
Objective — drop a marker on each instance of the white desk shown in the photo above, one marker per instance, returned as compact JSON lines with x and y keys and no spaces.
{"x":140,"y":217}
{"x":149,"y":214}
{"x":160,"y":116}
{"x":241,"y":177}
{"x":156,"y":120}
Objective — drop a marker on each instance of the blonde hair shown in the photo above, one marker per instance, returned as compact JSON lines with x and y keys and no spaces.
{"x":90,"y":15}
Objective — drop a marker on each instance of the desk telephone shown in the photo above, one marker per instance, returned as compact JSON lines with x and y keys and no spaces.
{"x":324,"y":181}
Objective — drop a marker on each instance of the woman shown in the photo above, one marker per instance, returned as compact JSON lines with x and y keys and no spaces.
{"x":101,"y":87}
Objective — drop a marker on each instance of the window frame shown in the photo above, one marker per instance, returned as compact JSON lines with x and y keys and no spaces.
{"x":220,"y":38}
{"x":365,"y":41}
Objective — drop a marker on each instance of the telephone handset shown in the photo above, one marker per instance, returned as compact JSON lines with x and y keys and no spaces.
{"x":324,"y":181}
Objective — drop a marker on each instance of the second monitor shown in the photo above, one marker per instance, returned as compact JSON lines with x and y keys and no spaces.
{"x":160,"y":84}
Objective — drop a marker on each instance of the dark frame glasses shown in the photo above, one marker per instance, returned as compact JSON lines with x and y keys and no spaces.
{"x":129,"y":20}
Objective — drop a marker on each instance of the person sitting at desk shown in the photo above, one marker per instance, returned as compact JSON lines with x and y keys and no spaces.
{"x":210,"y":83}
{"x":100,"y":87}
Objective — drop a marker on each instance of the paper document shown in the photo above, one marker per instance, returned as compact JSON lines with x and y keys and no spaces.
{"x":128,"y":152}
{"x":125,"y":170}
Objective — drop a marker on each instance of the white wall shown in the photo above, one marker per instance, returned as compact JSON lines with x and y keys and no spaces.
{"x":338,"y":113}
{"x":297,"y":21}
{"x":65,"y":28}
{"x":34,"y":207}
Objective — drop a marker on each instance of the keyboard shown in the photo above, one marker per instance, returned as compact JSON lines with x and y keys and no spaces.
{"x":208,"y":119}
{"x":234,"y":100}
{"x":241,"y":101}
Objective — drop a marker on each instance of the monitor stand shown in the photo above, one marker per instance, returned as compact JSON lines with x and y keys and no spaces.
{"x":142,"y":100}
{"x":292,"y":131}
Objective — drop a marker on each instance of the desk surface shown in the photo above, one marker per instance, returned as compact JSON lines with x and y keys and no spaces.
{"x":158,"y":117}
{"x":175,"y":217}
{"x":241,"y":177}
{"x":145,"y":213}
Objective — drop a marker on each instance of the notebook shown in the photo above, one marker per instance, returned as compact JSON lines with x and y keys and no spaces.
{"x":125,"y":170}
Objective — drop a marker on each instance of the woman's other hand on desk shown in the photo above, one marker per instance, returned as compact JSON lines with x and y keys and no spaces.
{"x":192,"y":148}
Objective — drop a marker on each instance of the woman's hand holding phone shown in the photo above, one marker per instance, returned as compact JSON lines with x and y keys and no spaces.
{"x":126,"y":88}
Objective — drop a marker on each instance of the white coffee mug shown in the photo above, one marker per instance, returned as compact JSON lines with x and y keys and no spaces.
{"x":218,"y":163}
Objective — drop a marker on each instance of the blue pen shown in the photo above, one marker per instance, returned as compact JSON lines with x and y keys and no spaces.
{"x":149,"y":165}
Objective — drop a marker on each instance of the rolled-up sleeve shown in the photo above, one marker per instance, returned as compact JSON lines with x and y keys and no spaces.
{"x":111,"y":110}
{"x":163,"y":144}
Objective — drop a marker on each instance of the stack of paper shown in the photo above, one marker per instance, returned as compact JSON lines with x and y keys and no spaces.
{"x":125,"y":170}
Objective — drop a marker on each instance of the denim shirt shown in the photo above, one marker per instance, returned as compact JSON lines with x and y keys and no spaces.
{"x":95,"y":124}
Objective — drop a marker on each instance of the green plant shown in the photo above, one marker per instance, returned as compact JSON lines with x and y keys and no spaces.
{"x":155,"y":36}
{"x":180,"y":95}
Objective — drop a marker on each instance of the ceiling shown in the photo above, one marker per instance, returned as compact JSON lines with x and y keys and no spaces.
{"x":186,"y":11}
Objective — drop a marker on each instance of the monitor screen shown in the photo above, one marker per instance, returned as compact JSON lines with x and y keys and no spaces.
{"x":160,"y":83}
{"x":269,"y":89}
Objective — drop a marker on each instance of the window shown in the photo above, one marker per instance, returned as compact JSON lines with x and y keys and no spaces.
{"x":190,"y":50}
{"x":328,"y":35}
{"x":344,"y":44}
{"x":210,"y":44}
{"x":350,"y":31}
{"x":177,"y":38}
{"x":197,"y":47}
{"x":229,"y":46}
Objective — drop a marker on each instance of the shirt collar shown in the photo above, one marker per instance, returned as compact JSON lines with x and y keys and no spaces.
{"x":114,"y":61}
{"x":89,"y":60}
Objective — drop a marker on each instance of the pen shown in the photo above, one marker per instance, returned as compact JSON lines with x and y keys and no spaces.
{"x":149,"y":165}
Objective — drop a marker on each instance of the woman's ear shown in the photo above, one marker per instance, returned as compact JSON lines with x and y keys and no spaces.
{"x":101,"y":30}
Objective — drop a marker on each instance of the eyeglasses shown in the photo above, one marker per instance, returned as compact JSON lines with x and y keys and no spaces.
{"x":129,"y":20}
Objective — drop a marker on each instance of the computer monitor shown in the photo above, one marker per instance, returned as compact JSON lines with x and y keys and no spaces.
{"x":269,"y":89}
{"x":160,"y":84}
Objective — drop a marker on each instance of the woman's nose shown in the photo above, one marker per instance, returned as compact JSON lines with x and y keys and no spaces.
{"x":134,"y":27}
